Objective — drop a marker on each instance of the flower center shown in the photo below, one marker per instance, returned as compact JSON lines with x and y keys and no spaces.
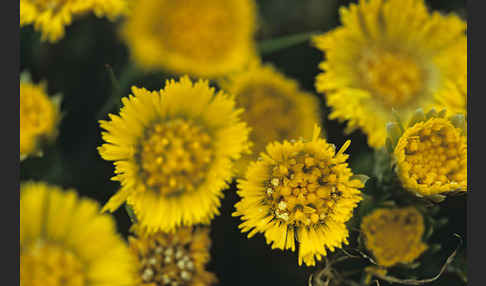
{"x":45,"y":263}
{"x":394,"y":235}
{"x":174,"y":156}
{"x":171,"y":265}
{"x":395,"y":78}
{"x":436,"y":154}
{"x":36,"y":112}
{"x":271,"y":115}
{"x":181,"y":30}
{"x":302,"y":190}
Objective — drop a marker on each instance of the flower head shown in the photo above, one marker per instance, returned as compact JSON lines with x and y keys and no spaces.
{"x":389,"y":54}
{"x":202,"y":38}
{"x":454,"y":96}
{"x":174,"y":151}
{"x":275,"y":108}
{"x":51,"y":17}
{"x":394,"y":235}
{"x":302,"y":190}
{"x":431,"y":153}
{"x":177,"y":258}
{"x":39,"y":117}
{"x":56,"y":241}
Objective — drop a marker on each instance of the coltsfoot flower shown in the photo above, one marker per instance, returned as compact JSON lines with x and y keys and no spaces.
{"x":56,"y":241}
{"x":431,"y":153}
{"x":300,"y":191}
{"x":202,"y":38}
{"x":39,"y":116}
{"x":177,"y":258}
{"x":275,"y":108}
{"x":454,"y":96}
{"x":174,"y":151}
{"x":394,"y":235}
{"x":51,"y":17}
{"x":389,"y":54}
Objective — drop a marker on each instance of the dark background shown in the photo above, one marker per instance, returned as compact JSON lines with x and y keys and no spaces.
{"x":75,"y":67}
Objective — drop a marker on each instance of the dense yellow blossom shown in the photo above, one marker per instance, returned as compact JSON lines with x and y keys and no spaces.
{"x":51,"y":17}
{"x":394,"y":235}
{"x":57,"y":229}
{"x":300,"y":191}
{"x":389,"y":54}
{"x":174,"y":151}
{"x":203,"y":38}
{"x":275,"y":108}
{"x":177,"y":258}
{"x":431,"y":154}
{"x":39,"y":117}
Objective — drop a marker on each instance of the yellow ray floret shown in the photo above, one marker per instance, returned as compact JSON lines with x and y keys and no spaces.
{"x":394,"y":235}
{"x":300,"y":191}
{"x":275,"y":108}
{"x":51,"y":17}
{"x":389,"y":54}
{"x":202,"y":38}
{"x":431,"y":153}
{"x":177,"y":258}
{"x":56,"y":241}
{"x":173,"y":152}
{"x":39,"y":117}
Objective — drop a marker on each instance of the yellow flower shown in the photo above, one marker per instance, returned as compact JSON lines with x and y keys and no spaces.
{"x":300,"y":191}
{"x":57,"y":229}
{"x":39,"y":117}
{"x":389,"y":54}
{"x":177,"y":258}
{"x":431,"y":154}
{"x":275,"y":108}
{"x":454,"y":96}
{"x":174,"y":151}
{"x":202,"y":38}
{"x":51,"y":17}
{"x":394,"y":235}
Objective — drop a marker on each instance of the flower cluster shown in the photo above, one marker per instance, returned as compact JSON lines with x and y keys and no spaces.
{"x":393,"y":70}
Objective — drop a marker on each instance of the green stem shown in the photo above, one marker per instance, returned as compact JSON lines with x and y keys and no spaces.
{"x":129,"y":74}
{"x":280,"y":43}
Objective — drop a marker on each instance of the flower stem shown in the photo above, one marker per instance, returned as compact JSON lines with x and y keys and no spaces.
{"x":274,"y":45}
{"x":129,"y":74}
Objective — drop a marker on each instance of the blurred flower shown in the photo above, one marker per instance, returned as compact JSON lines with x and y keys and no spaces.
{"x":300,"y":191}
{"x":176,"y":258}
{"x":56,"y":241}
{"x":389,"y":55}
{"x":50,"y":17}
{"x":174,"y":151}
{"x":394,"y":235}
{"x":431,"y":153}
{"x":39,"y":116}
{"x":202,"y":38}
{"x":454,"y":96}
{"x":275,"y":108}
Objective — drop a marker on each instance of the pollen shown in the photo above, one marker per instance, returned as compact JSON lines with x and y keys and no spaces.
{"x":395,"y":78}
{"x":45,"y":263}
{"x":174,"y":156}
{"x":308,"y":191}
{"x":432,"y":157}
{"x":172,"y":259}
